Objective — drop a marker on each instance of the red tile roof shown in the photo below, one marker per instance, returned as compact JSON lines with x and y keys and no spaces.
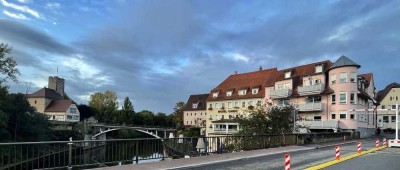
{"x":59,"y":106}
{"x":247,"y":81}
{"x":196,"y":98}
{"x":47,"y":93}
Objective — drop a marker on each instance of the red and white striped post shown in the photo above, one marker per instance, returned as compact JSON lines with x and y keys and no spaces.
{"x":287,"y":162}
{"x":359,"y":147}
{"x":384,"y":141}
{"x":377,"y":142}
{"x":337,"y":152}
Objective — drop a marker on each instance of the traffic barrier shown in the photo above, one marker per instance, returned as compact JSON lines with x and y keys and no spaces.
{"x":287,"y":162}
{"x":377,"y":142}
{"x":359,"y":147}
{"x":384,"y":141}
{"x":337,"y":152}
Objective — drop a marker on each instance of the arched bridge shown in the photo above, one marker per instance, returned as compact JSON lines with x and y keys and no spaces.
{"x":153,"y":131}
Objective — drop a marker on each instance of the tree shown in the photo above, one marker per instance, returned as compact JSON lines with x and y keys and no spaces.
{"x":85,"y":111}
{"x":7,"y":64}
{"x":104,"y":104}
{"x":178,"y":113}
{"x":127,"y":105}
{"x":160,"y":119}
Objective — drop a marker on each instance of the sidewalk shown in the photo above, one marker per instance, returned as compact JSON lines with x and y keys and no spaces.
{"x":211,"y":159}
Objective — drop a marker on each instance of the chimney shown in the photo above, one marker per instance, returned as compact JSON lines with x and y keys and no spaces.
{"x":260,"y":68}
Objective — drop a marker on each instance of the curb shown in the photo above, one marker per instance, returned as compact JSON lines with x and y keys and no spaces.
{"x":333,"y":162}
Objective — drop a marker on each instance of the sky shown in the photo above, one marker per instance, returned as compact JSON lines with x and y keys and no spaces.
{"x":158,"y":53}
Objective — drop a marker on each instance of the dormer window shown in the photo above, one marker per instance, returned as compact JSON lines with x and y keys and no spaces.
{"x":229,"y":93}
{"x":254,"y":91}
{"x":194,"y":105}
{"x":215,"y":94}
{"x":318,"y":69}
{"x":242,"y":92}
{"x":288,"y":74}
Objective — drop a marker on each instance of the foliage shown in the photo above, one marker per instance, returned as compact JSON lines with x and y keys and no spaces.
{"x":178,"y":113}
{"x":7,"y":64}
{"x":127,"y":106}
{"x":105,"y":104}
{"x":262,"y":121}
{"x":85,"y":111}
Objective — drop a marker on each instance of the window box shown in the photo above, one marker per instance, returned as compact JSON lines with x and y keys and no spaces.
{"x":223,"y":107}
{"x":236,"y":107}
{"x":250,"y":107}
{"x":210,"y":108}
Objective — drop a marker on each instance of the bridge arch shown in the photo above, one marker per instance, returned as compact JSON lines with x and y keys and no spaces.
{"x":133,"y":128}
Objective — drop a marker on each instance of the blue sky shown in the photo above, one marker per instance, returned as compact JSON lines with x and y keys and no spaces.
{"x":159,"y":52}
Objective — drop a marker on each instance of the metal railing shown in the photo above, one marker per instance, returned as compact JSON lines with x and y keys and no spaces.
{"x":312,"y":89}
{"x":280,"y":93}
{"x":99,"y":153}
{"x":310,"y":107}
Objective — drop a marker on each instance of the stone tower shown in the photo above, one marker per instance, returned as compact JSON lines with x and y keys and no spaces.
{"x":56,"y":83}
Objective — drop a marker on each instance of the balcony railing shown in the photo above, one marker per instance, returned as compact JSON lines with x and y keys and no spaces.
{"x":310,"y":90}
{"x":224,"y":131}
{"x":328,"y":124}
{"x":280,"y":93}
{"x":310,"y":107}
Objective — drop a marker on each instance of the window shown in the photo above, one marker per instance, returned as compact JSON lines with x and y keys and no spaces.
{"x":283,"y":102}
{"x":223,"y":106}
{"x":250,"y":103}
{"x":229,"y":105}
{"x":194,"y":105}
{"x":217,"y":105}
{"x":286,"y":86}
{"x":255,"y":91}
{"x":191,"y":122}
{"x":215,"y":94}
{"x":342,"y":98}
{"x":383,"y":106}
{"x":397,"y":98}
{"x":259,"y":103}
{"x":390,"y":98}
{"x":393,"y":118}
{"x":318,"y":69}
{"x":352,"y":116}
{"x":191,"y":114}
{"x":210,"y":105}
{"x":242,"y":92}
{"x":386,"y":119}
{"x":353,"y":77}
{"x":187,"y":114}
{"x":72,"y":110}
{"x":333,"y":99}
{"x":243,"y":104}
{"x":280,"y":86}
{"x":229,"y":93}
{"x":352,"y":98}
{"x":343,"y":116}
{"x":236,"y":104}
{"x":69,"y":117}
{"x":194,"y":114}
{"x":333,"y":115}
{"x":187,"y":122}
{"x":342,"y":78}
{"x":333,"y":78}
{"x":35,"y":101}
{"x":394,"y":107}
{"x":317,"y":118}
{"x":288,"y":74}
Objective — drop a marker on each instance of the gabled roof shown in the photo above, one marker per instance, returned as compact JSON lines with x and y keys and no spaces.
{"x":59,"y":106}
{"x":344,"y":61}
{"x":384,"y":92}
{"x":47,"y":93}
{"x":367,"y":77}
{"x":200,"y":99}
{"x":236,"y":82}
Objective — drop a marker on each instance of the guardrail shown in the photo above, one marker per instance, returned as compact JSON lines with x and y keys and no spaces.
{"x":98,"y":153}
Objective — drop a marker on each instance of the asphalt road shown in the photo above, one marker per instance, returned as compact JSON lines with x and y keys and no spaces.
{"x":388,"y":158}
{"x":299,"y":160}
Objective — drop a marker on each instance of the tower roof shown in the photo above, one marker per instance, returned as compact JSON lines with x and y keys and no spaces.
{"x":344,"y":61}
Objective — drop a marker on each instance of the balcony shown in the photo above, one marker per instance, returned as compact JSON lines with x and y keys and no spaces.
{"x":310,"y":107}
{"x":280,"y":93}
{"x":224,"y":131}
{"x":311,"y":90}
{"x":329,"y":124}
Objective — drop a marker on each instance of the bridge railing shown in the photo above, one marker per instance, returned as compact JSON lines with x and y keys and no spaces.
{"x":98,"y":153}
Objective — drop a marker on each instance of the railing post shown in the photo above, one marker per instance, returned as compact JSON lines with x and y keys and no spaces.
{"x":137,"y":151}
{"x":70,"y":154}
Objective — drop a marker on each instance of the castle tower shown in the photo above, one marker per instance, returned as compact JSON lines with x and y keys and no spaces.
{"x":57,"y":84}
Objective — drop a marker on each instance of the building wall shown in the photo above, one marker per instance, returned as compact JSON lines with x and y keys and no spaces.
{"x":40,"y":104}
{"x":65,"y":116}
{"x":194,"y":118}
{"x":57,"y":84}
{"x":386,"y":103}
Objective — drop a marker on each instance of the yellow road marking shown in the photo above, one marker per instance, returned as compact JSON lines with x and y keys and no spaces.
{"x":333,"y":162}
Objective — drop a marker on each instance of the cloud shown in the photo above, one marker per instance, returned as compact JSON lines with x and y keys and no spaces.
{"x":21,"y":8}
{"x":53,"y":5}
{"x":24,"y":1}
{"x":15,"y":16}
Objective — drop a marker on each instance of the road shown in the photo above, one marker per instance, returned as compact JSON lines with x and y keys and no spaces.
{"x":388,"y":158}
{"x":299,"y":160}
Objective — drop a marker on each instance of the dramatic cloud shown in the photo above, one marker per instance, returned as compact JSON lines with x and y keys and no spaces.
{"x":158,"y":53}
{"x":21,"y":8}
{"x":15,"y":16}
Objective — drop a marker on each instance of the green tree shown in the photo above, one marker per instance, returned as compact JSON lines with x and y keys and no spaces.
{"x":104,"y":105}
{"x":127,"y":106}
{"x":7,"y":64}
{"x":160,"y":119}
{"x":147,"y":117}
{"x":178,"y":113}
